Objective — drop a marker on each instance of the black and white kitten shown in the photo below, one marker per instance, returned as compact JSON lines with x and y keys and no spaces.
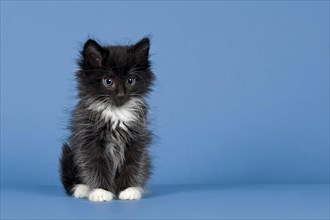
{"x":107,"y":155}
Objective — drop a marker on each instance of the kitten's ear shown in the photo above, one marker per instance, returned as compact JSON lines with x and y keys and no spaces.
{"x":93,"y":53}
{"x":141,"y":48}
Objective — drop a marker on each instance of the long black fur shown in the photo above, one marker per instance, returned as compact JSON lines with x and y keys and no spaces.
{"x":104,"y":152}
{"x":68,"y":170}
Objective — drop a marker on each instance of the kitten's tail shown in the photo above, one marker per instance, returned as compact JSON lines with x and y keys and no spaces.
{"x":68,"y":171}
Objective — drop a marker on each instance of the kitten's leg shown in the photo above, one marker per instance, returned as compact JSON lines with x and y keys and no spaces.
{"x":133,"y":177}
{"x":95,"y":171}
{"x":101,"y":178}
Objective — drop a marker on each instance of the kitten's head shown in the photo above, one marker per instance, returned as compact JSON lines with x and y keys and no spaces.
{"x":115,"y":74}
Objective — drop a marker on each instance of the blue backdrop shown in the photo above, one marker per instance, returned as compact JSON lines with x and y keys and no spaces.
{"x":242,"y":93}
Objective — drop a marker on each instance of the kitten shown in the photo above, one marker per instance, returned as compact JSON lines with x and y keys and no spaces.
{"x":107,"y":155}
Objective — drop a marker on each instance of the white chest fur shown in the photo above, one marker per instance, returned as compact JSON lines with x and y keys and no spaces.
{"x":118,"y":116}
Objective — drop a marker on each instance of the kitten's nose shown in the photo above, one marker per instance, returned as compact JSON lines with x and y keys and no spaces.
{"x":120,"y":94}
{"x":120,"y":91}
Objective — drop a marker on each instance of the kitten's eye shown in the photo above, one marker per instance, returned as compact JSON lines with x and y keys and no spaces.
{"x":131,"y":81}
{"x":107,"y":82}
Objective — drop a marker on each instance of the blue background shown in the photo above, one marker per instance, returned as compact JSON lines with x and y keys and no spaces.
{"x":242,"y":97}
{"x":242,"y":94}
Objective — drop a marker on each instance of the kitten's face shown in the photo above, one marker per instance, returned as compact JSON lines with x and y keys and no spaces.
{"x":115,"y":74}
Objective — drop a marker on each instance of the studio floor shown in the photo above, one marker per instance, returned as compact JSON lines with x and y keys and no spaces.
{"x":307,"y":201}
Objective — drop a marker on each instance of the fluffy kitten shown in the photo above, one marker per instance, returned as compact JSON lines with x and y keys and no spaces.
{"x":107,"y":155}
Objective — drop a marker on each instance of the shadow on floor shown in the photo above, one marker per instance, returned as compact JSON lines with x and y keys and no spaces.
{"x":169,"y":190}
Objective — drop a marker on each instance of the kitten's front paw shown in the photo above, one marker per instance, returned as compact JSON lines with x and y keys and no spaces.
{"x":80,"y":191}
{"x":131,"y":193}
{"x":100,"y":195}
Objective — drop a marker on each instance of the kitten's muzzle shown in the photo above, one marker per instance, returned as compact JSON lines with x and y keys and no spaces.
{"x":120,"y":99}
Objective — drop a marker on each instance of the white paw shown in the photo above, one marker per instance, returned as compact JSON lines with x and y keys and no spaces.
{"x":131,"y":193}
{"x":100,"y":195}
{"x":80,"y":191}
